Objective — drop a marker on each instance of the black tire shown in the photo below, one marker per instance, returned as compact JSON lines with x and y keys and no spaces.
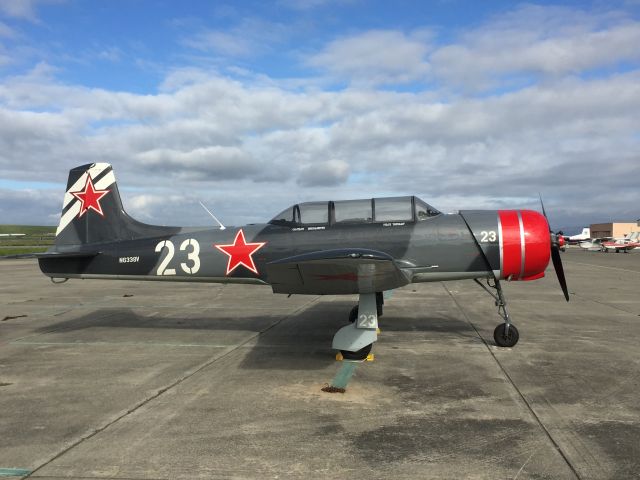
{"x":359,"y":355}
{"x":508,"y":340}
{"x":379,"y":303}
{"x":353,"y":314}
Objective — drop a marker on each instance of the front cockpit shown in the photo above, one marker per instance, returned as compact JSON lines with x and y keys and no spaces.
{"x":372,"y":210}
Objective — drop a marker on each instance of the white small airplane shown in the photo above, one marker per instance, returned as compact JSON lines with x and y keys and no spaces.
{"x":593,"y":245}
{"x":582,"y":236}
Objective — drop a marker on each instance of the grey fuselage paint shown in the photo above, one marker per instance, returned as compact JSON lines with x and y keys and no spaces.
{"x":434,"y":249}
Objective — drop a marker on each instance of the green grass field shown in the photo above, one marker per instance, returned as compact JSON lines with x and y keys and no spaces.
{"x":36,"y":239}
{"x":28,"y":229}
{"x":7,"y":252}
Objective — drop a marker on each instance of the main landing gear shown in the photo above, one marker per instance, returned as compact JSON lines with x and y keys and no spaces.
{"x":506,"y":334}
{"x":356,"y":339}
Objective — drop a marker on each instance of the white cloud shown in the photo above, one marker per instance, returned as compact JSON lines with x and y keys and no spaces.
{"x":221,"y":42}
{"x":215,"y":163}
{"x":18,"y":8}
{"x":246,"y":149}
{"x":324,"y":173}
{"x":375,"y":57}
{"x":145,"y":206}
{"x":6,"y":31}
{"x":251,"y":145}
{"x":543,"y":41}
{"x":40,"y":207}
{"x":510,"y":50}
{"x":249,"y":37}
{"x":110,"y":54}
{"x":23,"y":9}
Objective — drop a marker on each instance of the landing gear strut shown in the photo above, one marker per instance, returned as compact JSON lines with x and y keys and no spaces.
{"x":353,"y":314}
{"x":506,"y":334}
{"x":356,"y":339}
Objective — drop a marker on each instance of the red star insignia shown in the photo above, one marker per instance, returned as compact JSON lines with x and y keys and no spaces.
{"x":90,"y":198}
{"x":240,"y":253}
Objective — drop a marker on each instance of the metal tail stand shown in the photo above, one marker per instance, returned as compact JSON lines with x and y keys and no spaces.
{"x":500,"y":302}
{"x":341,"y":380}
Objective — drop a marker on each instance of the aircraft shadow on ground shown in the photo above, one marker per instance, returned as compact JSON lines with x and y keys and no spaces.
{"x":295,"y":342}
{"x":127,"y":318}
{"x":304,"y":342}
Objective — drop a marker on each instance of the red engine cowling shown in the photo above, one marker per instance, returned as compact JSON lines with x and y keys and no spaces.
{"x":525,"y":244}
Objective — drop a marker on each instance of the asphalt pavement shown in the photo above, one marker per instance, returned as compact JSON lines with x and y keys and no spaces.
{"x":152,"y":380}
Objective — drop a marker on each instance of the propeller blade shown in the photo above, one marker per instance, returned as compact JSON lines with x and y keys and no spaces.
{"x":557,"y":265}
{"x":542,"y":205}
{"x":555,"y":255}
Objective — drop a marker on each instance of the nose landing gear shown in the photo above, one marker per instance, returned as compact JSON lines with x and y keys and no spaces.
{"x":506,"y":334}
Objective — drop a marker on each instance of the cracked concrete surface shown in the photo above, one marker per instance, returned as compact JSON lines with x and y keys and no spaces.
{"x":140,"y":380}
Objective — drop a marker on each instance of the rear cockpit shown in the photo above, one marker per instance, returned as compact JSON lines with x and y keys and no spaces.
{"x":373,"y":210}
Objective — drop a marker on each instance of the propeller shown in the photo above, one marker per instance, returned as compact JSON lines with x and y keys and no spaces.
{"x":555,"y":256}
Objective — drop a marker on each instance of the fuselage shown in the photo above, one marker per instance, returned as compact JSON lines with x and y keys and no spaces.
{"x":441,"y":247}
{"x":345,"y":246}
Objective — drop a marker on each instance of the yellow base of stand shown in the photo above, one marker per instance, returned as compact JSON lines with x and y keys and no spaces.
{"x":370,"y":358}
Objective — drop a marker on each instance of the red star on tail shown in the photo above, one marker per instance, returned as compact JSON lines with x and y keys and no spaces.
{"x":90,"y":198}
{"x":240,"y":253}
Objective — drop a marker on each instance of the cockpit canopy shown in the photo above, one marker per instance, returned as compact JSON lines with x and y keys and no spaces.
{"x":371,"y":210}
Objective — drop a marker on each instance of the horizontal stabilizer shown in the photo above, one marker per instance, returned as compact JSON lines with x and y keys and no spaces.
{"x":66,"y":254}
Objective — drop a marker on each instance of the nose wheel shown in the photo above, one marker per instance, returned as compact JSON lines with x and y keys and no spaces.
{"x":506,"y":334}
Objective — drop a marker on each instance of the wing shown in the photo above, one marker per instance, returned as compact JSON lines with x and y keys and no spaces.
{"x":332,"y":272}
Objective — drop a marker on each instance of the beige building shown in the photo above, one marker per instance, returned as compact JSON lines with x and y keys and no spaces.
{"x":615,"y":230}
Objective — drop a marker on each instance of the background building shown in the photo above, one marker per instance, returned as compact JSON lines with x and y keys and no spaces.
{"x":615,"y":229}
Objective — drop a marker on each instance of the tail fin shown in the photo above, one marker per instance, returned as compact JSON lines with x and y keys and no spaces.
{"x":92,"y":210}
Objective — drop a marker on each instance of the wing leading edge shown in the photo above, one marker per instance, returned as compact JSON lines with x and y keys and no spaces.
{"x":330,"y":272}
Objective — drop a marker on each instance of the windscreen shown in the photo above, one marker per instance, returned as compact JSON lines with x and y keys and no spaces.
{"x":424,"y":210}
{"x":314,"y":212}
{"x":394,"y":209}
{"x":353,"y":211}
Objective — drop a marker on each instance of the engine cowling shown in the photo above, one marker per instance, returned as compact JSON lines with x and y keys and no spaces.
{"x":525,"y":244}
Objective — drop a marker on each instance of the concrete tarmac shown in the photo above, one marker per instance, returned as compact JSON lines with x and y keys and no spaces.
{"x":152,"y":380}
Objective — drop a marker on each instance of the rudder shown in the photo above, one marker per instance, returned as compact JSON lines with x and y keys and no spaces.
{"x":92,"y":210}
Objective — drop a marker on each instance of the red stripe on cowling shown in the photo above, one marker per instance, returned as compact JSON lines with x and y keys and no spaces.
{"x":537,"y":244}
{"x":511,"y":246}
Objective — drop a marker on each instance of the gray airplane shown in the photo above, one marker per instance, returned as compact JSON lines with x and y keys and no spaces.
{"x":362,"y":247}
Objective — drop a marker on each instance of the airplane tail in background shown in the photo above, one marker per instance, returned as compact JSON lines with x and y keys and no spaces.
{"x":92,"y":210}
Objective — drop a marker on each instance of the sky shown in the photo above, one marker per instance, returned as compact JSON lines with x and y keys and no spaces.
{"x":249,"y":107}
